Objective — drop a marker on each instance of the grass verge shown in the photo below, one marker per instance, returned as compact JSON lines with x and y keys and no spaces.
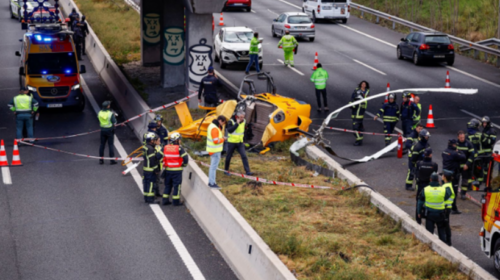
{"x":324,"y":234}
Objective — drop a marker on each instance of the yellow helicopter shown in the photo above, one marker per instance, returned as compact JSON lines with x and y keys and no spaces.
{"x":270,"y":116}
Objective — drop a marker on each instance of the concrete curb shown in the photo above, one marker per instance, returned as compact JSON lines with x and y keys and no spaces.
{"x":466,"y":265}
{"x":239,"y":244}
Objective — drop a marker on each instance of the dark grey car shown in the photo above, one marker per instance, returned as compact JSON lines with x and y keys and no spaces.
{"x":426,"y":46}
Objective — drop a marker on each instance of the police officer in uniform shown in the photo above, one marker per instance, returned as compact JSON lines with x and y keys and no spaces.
{"x":447,"y":179}
{"x":107,"y":121}
{"x":412,"y":139}
{"x":236,"y":131}
{"x":432,"y":202}
{"x":358,"y":111}
{"x":415,"y":155}
{"x":72,"y":17}
{"x":161,"y":130}
{"x":390,"y":114}
{"x":175,"y":159}
{"x":78,"y":36}
{"x":488,"y":140}
{"x":151,"y":167}
{"x":467,"y":149}
{"x":409,"y":114}
{"x":423,"y":173}
{"x":85,"y":30}
{"x":208,"y":87}
{"x":452,"y":158}
{"x":24,"y":107}
{"x":152,"y":127}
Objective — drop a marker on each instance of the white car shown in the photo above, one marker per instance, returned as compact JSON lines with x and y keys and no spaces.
{"x":232,"y":45}
{"x":327,"y":9}
{"x":17,"y":10}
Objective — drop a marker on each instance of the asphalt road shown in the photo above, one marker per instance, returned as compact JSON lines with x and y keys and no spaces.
{"x":345,"y":52}
{"x":66,"y":217}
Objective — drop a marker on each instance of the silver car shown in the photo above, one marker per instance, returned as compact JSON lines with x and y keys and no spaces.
{"x":299,"y":25}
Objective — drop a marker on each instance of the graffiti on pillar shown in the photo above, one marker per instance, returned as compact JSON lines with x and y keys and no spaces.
{"x":174,"y":51}
{"x":201,"y":58}
{"x":151,"y":28}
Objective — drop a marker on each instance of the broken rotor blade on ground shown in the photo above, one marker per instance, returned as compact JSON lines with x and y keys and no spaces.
{"x":376,"y":155}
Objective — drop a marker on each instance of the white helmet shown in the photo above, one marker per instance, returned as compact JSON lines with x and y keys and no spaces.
{"x":175,"y":136}
{"x":150,"y":136}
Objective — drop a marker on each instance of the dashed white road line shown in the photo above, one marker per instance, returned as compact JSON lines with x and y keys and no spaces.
{"x":477,"y":117}
{"x":380,"y":120}
{"x":473,"y":76}
{"x":288,"y":3}
{"x":272,"y":12}
{"x":367,"y":35}
{"x":164,"y":222}
{"x":369,"y":67}
{"x":253,"y":11}
{"x":293,"y":68}
{"x":7,"y":179}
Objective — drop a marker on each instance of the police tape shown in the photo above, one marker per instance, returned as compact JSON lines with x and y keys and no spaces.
{"x":362,"y":132}
{"x":475,"y":201}
{"x":77,"y":154}
{"x":166,"y":106}
{"x":258,"y":179}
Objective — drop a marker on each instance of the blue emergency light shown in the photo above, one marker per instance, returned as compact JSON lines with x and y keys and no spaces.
{"x":68,"y":71}
{"x":38,"y":37}
{"x":47,"y":39}
{"x":44,"y":72}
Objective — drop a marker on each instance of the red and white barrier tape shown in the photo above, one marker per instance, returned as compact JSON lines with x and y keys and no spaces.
{"x":117,"y":125}
{"x":268,"y":181}
{"x":79,"y":155}
{"x":472,"y":199}
{"x":361,"y":132}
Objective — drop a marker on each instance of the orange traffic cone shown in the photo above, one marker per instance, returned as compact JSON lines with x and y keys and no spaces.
{"x":412,"y":98}
{"x":430,"y":118}
{"x":3,"y":155}
{"x":16,"y":159}
{"x":221,"y":20}
{"x":447,"y":83}
{"x":387,"y":96}
{"x":315,"y":61}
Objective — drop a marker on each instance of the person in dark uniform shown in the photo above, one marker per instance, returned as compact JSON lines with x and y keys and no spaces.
{"x":447,"y":180}
{"x":208,"y":87}
{"x":152,"y":127}
{"x":78,"y":36}
{"x":358,"y":111}
{"x":432,"y":202}
{"x":423,"y":172}
{"x":474,"y":137}
{"x":412,"y":139}
{"x":390,"y":115}
{"x":488,"y":140}
{"x":71,"y":17}
{"x":161,"y":130}
{"x":107,"y":121}
{"x":470,"y":153}
{"x":151,"y":167}
{"x":409,"y":114}
{"x":415,"y":155}
{"x":175,"y":159}
{"x":85,"y":30}
{"x":452,"y":158}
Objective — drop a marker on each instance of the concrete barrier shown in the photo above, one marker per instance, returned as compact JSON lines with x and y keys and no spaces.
{"x":466,"y":265}
{"x":242,"y":248}
{"x":123,"y":92}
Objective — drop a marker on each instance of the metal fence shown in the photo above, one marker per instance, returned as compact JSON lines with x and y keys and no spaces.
{"x":413,"y":26}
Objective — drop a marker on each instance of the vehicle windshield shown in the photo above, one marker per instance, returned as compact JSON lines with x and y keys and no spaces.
{"x":238,"y":36}
{"x":437,"y":39}
{"x":495,"y":176}
{"x":52,"y":63}
{"x":299,"y":19}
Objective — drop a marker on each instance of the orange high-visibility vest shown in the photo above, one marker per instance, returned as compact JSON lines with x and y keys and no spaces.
{"x":172,"y":159}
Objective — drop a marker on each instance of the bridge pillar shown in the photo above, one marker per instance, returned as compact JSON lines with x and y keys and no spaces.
{"x":173,"y":45}
{"x":151,"y":32}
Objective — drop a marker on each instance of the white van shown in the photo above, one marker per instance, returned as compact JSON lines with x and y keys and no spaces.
{"x":327,"y":9}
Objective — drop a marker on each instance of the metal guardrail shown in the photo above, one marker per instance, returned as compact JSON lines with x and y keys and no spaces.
{"x":412,"y":25}
{"x":487,"y":42}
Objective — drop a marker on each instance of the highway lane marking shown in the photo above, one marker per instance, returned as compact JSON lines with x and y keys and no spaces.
{"x":369,"y":36}
{"x":473,"y":76}
{"x":276,"y":14}
{"x":253,"y":11}
{"x":477,"y":117}
{"x":293,"y":68}
{"x":288,"y":3}
{"x":369,"y":67}
{"x":164,"y":222}
{"x":7,"y":179}
{"x":380,"y":120}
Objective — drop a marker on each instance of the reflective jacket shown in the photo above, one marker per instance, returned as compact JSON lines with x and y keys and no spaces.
{"x":409,"y":110}
{"x":106,"y":119}
{"x":319,"y":78}
{"x":411,"y":139}
{"x":474,"y":138}
{"x":419,"y":115}
{"x":435,"y":197}
{"x":163,"y":134}
{"x":468,"y":150}
{"x":235,"y":131}
{"x":417,"y":152}
{"x":358,"y":111}
{"x":390,"y":112}
{"x":151,"y":158}
{"x":288,"y":42}
{"x":452,"y":158}
{"x":214,"y":144}
{"x":488,"y":140}
{"x":175,"y":158}
{"x":23,"y":103}
{"x":254,"y":46}
{"x":449,"y":202}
